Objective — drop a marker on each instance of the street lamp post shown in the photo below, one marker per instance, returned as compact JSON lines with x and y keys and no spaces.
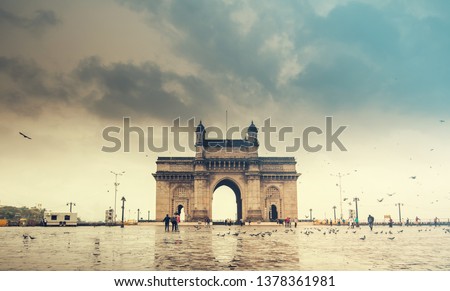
{"x":71,"y":204}
{"x":310,"y":214}
{"x":334,"y":209}
{"x":340,"y":175}
{"x":123,"y":208}
{"x":148,"y":219}
{"x":399,"y":212}
{"x":115,"y":192}
{"x":356,"y":199}
{"x":138,"y":215}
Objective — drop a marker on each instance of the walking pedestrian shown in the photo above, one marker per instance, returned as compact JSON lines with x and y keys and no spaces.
{"x":370,"y":221}
{"x":166,"y":222}
{"x":174,"y":223}
{"x":391,"y":222}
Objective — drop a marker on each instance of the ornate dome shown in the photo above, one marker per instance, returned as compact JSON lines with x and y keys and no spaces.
{"x":252,"y":128}
{"x":200,"y":127}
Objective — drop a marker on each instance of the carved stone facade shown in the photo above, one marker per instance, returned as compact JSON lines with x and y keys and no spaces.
{"x":265,"y":187}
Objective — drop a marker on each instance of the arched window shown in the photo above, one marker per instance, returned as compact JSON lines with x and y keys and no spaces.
{"x":180,"y":192}
{"x":272,"y":191}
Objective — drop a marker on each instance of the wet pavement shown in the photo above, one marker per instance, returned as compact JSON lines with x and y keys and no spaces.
{"x":141,"y":248}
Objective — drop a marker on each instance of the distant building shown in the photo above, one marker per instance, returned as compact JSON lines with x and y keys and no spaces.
{"x":60,"y":219}
{"x":109,"y":216}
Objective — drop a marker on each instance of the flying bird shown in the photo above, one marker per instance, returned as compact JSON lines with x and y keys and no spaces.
{"x":24,"y":135}
{"x":391,"y":238}
{"x":441,"y":121}
{"x":390,"y":194}
{"x":362,"y":238}
{"x":380,"y":200}
{"x":345,"y":199}
{"x":413,"y":177}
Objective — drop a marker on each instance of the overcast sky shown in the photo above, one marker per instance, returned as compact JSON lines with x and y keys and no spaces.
{"x":69,"y":69}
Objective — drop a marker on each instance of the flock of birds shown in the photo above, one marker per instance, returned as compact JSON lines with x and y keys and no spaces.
{"x":390,"y":234}
{"x":257,"y":234}
{"x":413,"y":177}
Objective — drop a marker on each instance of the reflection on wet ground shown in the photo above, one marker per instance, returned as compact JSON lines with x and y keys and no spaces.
{"x":225,"y":248}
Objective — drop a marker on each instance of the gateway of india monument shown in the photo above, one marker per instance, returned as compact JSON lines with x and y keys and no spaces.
{"x":265,"y":187}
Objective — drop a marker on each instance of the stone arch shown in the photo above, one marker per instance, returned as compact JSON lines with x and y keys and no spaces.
{"x":181,"y":211}
{"x":180,"y":201}
{"x":233,"y":185}
{"x":272,"y":201}
{"x":273,"y":212}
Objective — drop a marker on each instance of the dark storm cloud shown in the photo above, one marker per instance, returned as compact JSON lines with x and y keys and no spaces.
{"x":126,"y":89}
{"x":247,"y":53}
{"x":41,"y":20}
{"x":213,"y":39}
{"x":394,"y":54}
{"x":26,"y":87}
{"x":107,"y":90}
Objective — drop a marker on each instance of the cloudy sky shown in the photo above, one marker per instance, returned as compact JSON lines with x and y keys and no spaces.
{"x":69,"y":69}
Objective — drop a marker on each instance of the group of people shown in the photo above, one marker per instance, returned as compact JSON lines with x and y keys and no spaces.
{"x":175,"y":220}
{"x":288,"y":222}
{"x":352,"y":222}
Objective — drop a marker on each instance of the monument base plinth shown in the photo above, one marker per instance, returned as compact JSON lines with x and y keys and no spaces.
{"x":254,"y":215}
{"x":199,"y":215}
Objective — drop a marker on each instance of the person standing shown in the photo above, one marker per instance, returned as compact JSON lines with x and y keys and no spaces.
{"x":370,"y":221}
{"x":391,"y":222}
{"x":178,"y":220}
{"x":174,"y":223}
{"x":166,"y":222}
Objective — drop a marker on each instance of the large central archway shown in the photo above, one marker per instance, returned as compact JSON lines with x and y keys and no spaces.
{"x":237,"y":192}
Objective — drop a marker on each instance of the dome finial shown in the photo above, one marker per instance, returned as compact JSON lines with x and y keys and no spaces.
{"x":252,"y":128}
{"x":200,"y":127}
